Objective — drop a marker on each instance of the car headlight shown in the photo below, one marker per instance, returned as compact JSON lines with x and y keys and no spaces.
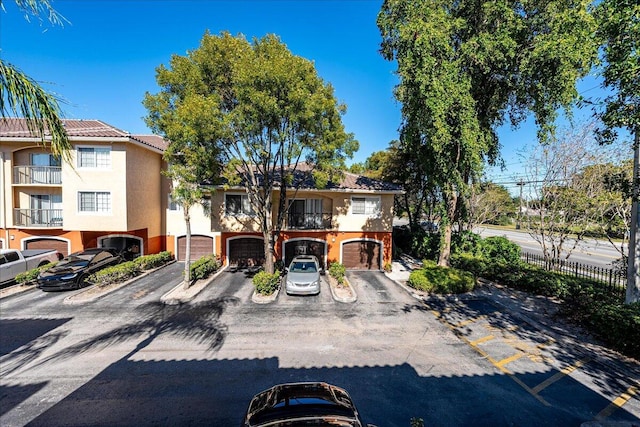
{"x":69,"y":276}
{"x":289,"y":283}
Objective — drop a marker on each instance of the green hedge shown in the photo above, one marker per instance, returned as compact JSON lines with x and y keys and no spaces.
{"x":338,"y":272}
{"x":129,"y":269}
{"x":31,"y":275}
{"x":204,"y":267}
{"x":441,"y":280}
{"x":265,"y":283}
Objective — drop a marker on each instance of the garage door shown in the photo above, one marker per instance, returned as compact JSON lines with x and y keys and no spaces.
{"x":200,"y":246}
{"x":246,"y":252}
{"x":58,"y":245}
{"x":304,"y":247}
{"x":361,"y":255}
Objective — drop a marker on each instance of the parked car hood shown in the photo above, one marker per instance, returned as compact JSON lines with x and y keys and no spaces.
{"x":303,"y":277}
{"x":64,"y":268}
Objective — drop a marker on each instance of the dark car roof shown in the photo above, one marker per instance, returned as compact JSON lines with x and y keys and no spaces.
{"x":300,"y":401}
{"x":93,"y":251}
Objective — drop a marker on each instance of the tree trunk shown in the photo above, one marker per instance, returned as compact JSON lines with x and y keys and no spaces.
{"x":445,"y":247}
{"x":187,"y":257}
{"x":633,"y":267}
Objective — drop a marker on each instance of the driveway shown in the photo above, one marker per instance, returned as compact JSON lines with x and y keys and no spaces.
{"x":127,"y":359}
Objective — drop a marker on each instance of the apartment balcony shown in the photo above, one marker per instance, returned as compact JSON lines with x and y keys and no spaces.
{"x":38,"y":218}
{"x":309,"y":221}
{"x":37,"y":175}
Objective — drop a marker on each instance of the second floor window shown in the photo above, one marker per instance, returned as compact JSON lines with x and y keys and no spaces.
{"x":237,"y":204}
{"x":94,"y":157}
{"x":94,"y":201}
{"x":365,"y":206}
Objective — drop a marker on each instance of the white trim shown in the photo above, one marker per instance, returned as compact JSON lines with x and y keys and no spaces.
{"x":363,"y":239}
{"x":129,"y":236}
{"x":326,"y":247}
{"x":241,"y":214}
{"x":229,"y":239}
{"x":94,"y":213}
{"x":374,"y":215}
{"x":23,"y":242}
{"x":94,"y":168}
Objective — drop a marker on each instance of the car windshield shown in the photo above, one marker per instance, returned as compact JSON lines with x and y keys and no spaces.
{"x":303,"y":267}
{"x":73,"y":261}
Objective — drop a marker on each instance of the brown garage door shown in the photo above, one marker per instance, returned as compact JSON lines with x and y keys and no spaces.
{"x":361,"y":255}
{"x":200,"y":246}
{"x":246,"y":252}
{"x":304,"y":247}
{"x":58,"y":245}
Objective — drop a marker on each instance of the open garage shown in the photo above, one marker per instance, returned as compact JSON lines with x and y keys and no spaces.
{"x":295,"y":247}
{"x":361,"y":255}
{"x":246,"y":251}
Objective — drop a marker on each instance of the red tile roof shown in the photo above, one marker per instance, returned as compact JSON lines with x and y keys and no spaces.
{"x":11,"y":127}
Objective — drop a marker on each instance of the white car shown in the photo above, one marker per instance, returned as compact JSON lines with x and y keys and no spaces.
{"x":303,"y":276}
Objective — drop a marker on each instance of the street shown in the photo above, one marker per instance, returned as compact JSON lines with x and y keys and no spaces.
{"x":127,"y":359}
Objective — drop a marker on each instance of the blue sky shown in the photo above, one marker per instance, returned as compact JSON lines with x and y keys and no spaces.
{"x":103,"y":61}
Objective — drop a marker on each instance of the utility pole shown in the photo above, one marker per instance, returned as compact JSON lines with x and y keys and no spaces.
{"x":519,"y":222}
{"x":633,"y":267}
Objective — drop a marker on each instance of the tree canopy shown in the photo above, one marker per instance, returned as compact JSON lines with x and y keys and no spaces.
{"x":263,"y":110}
{"x":466,"y":67}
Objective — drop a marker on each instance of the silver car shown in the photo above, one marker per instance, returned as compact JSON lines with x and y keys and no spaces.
{"x":303,"y":276}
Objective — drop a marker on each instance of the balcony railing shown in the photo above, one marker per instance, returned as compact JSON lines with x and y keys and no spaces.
{"x":45,"y":175}
{"x":309,"y":221}
{"x":37,"y":217}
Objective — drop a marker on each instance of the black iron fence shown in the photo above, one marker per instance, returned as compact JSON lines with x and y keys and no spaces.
{"x":613,"y":279}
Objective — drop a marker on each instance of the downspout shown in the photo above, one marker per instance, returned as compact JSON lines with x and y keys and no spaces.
{"x":3,"y":198}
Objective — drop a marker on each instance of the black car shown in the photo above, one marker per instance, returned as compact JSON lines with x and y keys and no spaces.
{"x":302,"y":404}
{"x":71,"y":272}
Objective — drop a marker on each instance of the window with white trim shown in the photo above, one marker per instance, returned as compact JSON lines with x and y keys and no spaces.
{"x":173,"y":204}
{"x":237,"y":204}
{"x":94,"y":201}
{"x":94,"y":157}
{"x":369,"y":206}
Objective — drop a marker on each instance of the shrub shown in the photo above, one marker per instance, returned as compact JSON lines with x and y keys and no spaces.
{"x":441,"y":280}
{"x":115,"y":274}
{"x":425,"y":245}
{"x":618,"y":324}
{"x":500,"y":249}
{"x":202,"y":268}
{"x":31,"y":275}
{"x":469,"y":262}
{"x":129,"y":269}
{"x":266,"y":283}
{"x":337,"y":271}
{"x":149,"y":262}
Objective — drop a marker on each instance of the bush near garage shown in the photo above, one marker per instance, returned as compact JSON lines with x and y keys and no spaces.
{"x":338,"y":272}
{"x":31,"y":275}
{"x":204,"y":267}
{"x":433,"y":278}
{"x":129,"y":269}
{"x":149,"y":262}
{"x":266,"y":283}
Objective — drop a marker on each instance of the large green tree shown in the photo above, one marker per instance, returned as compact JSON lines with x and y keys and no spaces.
{"x":619,"y":31}
{"x":465,"y":67}
{"x":272,"y":119}
{"x":21,"y":96}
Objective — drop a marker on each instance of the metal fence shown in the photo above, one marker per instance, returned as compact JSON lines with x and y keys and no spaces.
{"x":614,"y":280}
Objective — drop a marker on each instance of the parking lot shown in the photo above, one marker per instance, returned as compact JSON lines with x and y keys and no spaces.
{"x":127,"y":359}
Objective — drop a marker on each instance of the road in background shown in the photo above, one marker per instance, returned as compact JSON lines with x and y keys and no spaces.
{"x":599,"y":253}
